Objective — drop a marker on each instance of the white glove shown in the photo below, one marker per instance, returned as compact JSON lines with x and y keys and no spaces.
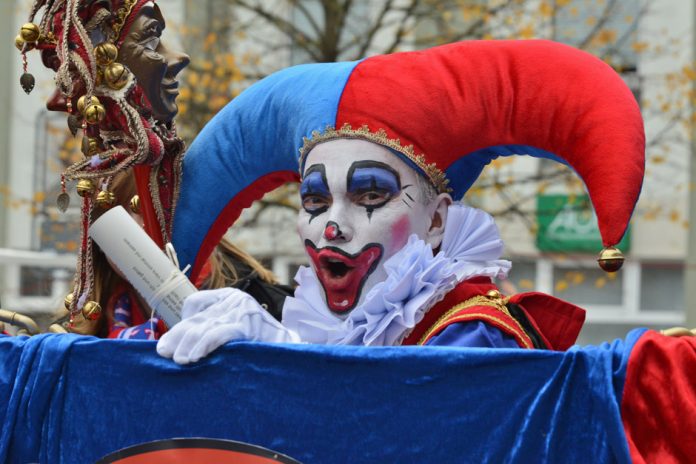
{"x":212,"y":318}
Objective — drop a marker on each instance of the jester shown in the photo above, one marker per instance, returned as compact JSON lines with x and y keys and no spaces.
{"x":118,"y":82}
{"x":386,"y":145}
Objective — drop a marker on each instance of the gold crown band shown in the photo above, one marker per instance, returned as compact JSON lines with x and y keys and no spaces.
{"x":431,"y":171}
{"x":121,"y":16}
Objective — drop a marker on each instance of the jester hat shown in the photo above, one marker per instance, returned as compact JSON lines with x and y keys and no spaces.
{"x":447,"y":111}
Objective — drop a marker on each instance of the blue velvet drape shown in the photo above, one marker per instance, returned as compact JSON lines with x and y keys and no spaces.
{"x":70,"y":399}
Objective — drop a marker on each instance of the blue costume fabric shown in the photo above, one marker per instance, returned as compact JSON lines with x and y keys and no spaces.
{"x":318,"y":404}
{"x":476,"y":333}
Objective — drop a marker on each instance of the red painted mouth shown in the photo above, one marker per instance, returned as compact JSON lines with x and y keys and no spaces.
{"x":343,"y":275}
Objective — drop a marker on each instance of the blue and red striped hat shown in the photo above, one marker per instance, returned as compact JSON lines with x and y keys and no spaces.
{"x":447,"y":111}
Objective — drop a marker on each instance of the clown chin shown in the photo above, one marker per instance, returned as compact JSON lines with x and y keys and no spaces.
{"x":343,"y":275}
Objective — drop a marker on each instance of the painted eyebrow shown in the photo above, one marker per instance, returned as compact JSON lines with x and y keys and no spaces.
{"x":371,"y":174}
{"x":314,"y":180}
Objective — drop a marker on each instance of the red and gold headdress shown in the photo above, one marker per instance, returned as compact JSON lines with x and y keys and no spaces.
{"x":80,"y":40}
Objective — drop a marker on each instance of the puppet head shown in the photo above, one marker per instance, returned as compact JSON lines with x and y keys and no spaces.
{"x":442,"y":113}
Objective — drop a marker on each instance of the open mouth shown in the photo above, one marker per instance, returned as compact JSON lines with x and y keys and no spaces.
{"x":343,"y":275}
{"x":170,"y":86}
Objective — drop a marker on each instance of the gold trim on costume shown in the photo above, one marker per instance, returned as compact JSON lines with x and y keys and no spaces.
{"x":431,"y":171}
{"x":495,"y":301}
{"x":120,"y":18}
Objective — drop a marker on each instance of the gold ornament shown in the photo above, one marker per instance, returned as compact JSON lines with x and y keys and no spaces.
{"x":90,"y":146}
{"x":494,"y":294}
{"x":19,"y":42}
{"x":99,"y":80}
{"x":85,"y":188}
{"x":105,"y":53}
{"x":106,"y":199}
{"x":135,"y":204}
{"x":116,"y":76}
{"x":30,"y":32}
{"x":95,"y":113}
{"x":610,"y":259}
{"x":91,"y":310}
{"x":22,"y":45}
{"x":67,"y":302}
{"x":81,"y":103}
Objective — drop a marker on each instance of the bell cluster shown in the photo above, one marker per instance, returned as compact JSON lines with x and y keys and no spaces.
{"x":91,"y":112}
{"x":27,"y":39}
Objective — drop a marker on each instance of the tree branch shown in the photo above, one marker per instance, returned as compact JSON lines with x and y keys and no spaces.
{"x":599,"y":25}
{"x":286,"y":27}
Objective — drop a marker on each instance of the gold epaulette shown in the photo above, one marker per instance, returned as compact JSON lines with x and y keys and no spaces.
{"x":492,"y":299}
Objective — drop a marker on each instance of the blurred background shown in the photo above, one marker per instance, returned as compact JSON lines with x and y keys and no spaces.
{"x":541,"y":207}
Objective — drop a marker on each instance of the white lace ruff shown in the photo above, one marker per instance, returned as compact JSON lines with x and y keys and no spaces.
{"x":416,"y":280}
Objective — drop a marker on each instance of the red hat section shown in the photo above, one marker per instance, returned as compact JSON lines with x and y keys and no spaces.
{"x":452,"y":101}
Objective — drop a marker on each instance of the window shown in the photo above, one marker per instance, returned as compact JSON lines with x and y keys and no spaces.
{"x":662,"y":287}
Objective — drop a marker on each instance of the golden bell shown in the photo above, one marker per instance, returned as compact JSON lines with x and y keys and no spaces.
{"x":106,"y":199}
{"x":99,"y":80}
{"x":30,"y":32}
{"x":135,"y":204}
{"x":20,"y":44}
{"x":67,"y":302}
{"x":105,"y":53}
{"x":610,"y":259}
{"x":91,"y":310}
{"x":116,"y":76}
{"x":90,"y":146}
{"x":95,"y":113}
{"x":81,"y":103}
{"x":85,"y":188}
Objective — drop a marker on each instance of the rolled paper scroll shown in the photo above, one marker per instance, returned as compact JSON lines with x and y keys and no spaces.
{"x":155,"y":276}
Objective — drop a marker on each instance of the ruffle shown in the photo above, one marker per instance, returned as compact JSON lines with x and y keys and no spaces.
{"x":416,"y":280}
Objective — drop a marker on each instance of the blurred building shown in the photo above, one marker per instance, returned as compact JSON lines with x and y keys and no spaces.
{"x":551,"y":236}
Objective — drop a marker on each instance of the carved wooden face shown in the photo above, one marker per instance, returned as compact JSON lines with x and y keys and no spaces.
{"x":154,"y":65}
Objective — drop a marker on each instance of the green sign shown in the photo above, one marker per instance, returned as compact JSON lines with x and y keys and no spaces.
{"x":568,"y":223}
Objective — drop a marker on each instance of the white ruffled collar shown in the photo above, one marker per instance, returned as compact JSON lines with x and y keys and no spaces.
{"x":416,"y":280}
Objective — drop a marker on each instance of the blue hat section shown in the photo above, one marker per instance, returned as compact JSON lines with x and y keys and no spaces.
{"x":71,"y":399}
{"x":259,"y":133}
{"x":463,"y":173}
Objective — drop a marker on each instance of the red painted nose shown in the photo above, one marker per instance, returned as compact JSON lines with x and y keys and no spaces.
{"x":331,"y":232}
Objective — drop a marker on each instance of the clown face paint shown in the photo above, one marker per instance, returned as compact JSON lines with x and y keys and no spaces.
{"x":360,"y":203}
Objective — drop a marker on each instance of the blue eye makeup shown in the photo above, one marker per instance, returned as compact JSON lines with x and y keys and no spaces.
{"x":314,"y":183}
{"x":315,"y":191}
{"x":373,"y":184}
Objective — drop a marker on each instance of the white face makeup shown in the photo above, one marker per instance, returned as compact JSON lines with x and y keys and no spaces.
{"x":360,"y":204}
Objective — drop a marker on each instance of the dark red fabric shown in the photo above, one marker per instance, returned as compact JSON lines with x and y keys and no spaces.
{"x":557,"y":321}
{"x":231,"y":212}
{"x":462,"y":292}
{"x":452,"y":100}
{"x":658,"y":406}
